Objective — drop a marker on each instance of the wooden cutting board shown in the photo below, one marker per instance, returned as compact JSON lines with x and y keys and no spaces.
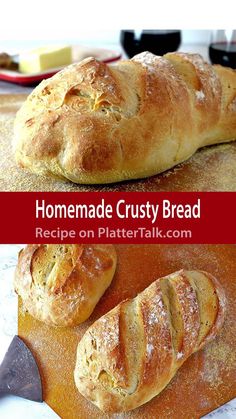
{"x":210,"y":169}
{"x":208,"y":378}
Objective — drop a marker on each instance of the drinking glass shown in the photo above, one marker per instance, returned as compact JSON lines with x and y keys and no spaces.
{"x":158,"y":42}
{"x":222,"y":49}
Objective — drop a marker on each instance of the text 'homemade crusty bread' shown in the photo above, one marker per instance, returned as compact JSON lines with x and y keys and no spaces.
{"x":61,"y":284}
{"x":93,"y":123}
{"x":130,"y":354}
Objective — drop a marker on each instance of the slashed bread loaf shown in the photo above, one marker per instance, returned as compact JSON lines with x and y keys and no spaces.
{"x":61,"y":284}
{"x":130,"y":354}
{"x":92,"y":123}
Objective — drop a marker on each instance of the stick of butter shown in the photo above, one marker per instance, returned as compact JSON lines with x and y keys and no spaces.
{"x":44,"y":58}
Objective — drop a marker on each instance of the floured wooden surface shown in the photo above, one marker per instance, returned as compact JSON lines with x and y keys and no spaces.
{"x":208,"y":378}
{"x":210,"y":169}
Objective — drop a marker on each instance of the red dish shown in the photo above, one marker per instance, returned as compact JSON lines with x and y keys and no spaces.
{"x":79,"y":53}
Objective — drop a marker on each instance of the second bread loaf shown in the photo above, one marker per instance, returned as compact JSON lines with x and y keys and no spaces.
{"x":60,"y":284}
{"x":130,"y":354}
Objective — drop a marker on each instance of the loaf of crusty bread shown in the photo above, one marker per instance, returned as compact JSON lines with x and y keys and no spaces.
{"x":130,"y":354}
{"x":93,"y":123}
{"x":61,"y":284}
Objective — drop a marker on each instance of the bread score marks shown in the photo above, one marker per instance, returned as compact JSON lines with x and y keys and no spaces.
{"x":88,"y":85}
{"x":129,"y":355}
{"x":166,"y":97}
{"x":203,"y":85}
{"x":158,"y":355}
{"x":51,"y":266}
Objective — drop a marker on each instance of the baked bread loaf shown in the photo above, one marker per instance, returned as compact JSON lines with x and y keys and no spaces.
{"x":61,"y":284}
{"x":92,"y":123}
{"x":130,"y":354}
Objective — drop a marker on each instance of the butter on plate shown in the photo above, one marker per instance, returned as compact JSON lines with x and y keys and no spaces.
{"x":44,"y":58}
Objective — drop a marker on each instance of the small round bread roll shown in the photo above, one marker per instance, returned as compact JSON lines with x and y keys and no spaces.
{"x":61,"y":284}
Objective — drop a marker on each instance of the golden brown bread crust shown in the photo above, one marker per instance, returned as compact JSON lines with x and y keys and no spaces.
{"x":61,"y":284}
{"x":92,"y":123}
{"x":130,"y":354}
